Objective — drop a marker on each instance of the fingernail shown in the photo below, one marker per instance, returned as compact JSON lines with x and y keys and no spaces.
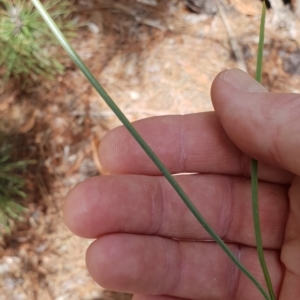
{"x":242,"y":81}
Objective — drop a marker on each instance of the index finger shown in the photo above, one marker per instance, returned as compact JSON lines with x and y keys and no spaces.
{"x":188,"y":143}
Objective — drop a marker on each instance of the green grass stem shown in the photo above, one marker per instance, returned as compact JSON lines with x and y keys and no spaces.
{"x":254,"y":167}
{"x":80,"y":64}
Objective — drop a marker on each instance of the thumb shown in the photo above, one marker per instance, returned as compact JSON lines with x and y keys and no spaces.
{"x":266,"y":126}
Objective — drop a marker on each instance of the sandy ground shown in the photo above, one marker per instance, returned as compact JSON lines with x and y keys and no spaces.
{"x":151,"y":65}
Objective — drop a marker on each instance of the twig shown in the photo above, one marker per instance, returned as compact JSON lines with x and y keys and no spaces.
{"x":134,"y":13}
{"x":232,"y":40}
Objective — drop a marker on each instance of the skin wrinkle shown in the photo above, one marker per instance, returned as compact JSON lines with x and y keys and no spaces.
{"x":266,"y":109}
{"x":244,"y":163}
{"x":289,"y":244}
{"x":226,"y":210}
{"x":163,"y":199}
{"x":153,"y":211}
{"x":286,"y":219}
{"x":179,"y":270}
{"x":278,"y":134}
{"x":295,"y":273}
{"x":236,"y":274}
{"x":284,"y":222}
{"x":151,"y":195}
{"x":292,"y":123}
{"x":293,"y":112}
{"x":290,"y":111}
{"x":275,"y":150}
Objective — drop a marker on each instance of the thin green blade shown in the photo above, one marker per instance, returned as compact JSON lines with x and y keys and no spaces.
{"x":80,"y":64}
{"x":254,"y":167}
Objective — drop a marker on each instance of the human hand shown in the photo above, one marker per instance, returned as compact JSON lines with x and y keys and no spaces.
{"x":148,"y":243}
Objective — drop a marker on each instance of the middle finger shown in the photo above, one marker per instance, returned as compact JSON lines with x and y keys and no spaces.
{"x":149,"y":205}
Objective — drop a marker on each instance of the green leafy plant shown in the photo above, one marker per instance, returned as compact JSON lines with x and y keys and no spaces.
{"x":80,"y":64}
{"x":11,"y":184}
{"x":26,"y":42}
